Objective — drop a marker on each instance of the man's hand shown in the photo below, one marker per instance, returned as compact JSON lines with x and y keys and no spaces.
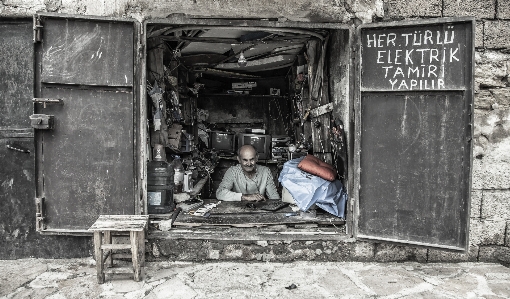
{"x":253,"y":197}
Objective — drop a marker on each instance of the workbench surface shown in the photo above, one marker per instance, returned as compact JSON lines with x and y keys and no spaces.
{"x":237,"y":214}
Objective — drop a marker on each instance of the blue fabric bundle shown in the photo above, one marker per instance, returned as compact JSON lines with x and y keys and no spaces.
{"x":308,"y":189}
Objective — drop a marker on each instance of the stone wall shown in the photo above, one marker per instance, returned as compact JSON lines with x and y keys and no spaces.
{"x":490,"y":211}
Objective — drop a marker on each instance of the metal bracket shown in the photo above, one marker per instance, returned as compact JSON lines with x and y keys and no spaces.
{"x":39,"y":214}
{"x":45,"y":101}
{"x":316,"y":112}
{"x":37,"y":29}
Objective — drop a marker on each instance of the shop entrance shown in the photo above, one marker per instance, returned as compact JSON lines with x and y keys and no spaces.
{"x":216,"y":85}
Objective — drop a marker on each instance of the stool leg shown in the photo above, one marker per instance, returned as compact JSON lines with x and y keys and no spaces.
{"x":135,"y":251}
{"x":98,"y":252}
{"x":107,"y":239}
{"x":141,"y":246}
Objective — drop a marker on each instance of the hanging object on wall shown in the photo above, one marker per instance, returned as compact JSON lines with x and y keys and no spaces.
{"x":156,"y":94}
{"x":157,"y":120}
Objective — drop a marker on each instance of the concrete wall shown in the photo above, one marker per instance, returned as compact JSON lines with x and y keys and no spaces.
{"x":490,"y":213}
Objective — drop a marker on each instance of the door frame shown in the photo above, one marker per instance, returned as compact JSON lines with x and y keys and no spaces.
{"x":347,"y":115}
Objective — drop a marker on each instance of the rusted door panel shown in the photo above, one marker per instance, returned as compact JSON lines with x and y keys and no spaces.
{"x":414,"y":118}
{"x":86,"y":163}
{"x":17,"y":190}
{"x":87,"y":52}
{"x":16,"y":74}
{"x":88,"y":157}
{"x":413,"y":168}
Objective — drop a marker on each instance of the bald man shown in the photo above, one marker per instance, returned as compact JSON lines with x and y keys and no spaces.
{"x":247,"y":181}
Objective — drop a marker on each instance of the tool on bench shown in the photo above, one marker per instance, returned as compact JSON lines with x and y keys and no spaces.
{"x":274,"y":206}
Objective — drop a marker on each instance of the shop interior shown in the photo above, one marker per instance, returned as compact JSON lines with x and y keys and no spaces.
{"x":212,"y":89}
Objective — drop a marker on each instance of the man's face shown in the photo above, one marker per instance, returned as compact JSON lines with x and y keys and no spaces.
{"x":248,"y":158}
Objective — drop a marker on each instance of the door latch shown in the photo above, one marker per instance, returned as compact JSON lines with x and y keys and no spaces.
{"x":42,"y":121}
{"x":46,"y":101}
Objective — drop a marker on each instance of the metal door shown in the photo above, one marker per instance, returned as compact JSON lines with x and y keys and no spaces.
{"x":414,"y":119}
{"x":86,"y":162}
{"x":17,"y":184}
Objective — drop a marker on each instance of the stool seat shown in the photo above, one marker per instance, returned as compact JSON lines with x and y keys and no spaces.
{"x":135,"y":225}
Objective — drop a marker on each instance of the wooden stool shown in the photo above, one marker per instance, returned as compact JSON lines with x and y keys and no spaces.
{"x":103,"y":248}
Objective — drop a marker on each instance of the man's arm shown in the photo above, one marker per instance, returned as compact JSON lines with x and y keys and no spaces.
{"x":271,"y":191}
{"x":224,"y":191}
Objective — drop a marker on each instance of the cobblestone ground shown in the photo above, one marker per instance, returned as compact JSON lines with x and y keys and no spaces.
{"x":76,"y":278}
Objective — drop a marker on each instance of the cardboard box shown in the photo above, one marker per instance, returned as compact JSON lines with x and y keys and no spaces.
{"x":174,"y":136}
{"x":244,"y":85}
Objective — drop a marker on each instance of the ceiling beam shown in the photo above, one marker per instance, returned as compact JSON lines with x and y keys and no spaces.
{"x":227,"y":40}
{"x":265,"y":29}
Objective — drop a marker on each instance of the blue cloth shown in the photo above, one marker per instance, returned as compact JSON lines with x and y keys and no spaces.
{"x":308,"y":189}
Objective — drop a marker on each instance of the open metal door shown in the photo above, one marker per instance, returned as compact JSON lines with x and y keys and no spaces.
{"x":84,"y":116}
{"x":414,"y":122}
{"x":16,"y":136}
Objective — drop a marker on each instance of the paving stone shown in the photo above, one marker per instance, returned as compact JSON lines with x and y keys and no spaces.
{"x":337,"y":284}
{"x":125,"y":285}
{"x":268,"y":280}
{"x":49,"y":280}
{"x":18,"y":272}
{"x":174,"y":288}
{"x":84,"y":286}
{"x":462,"y":285}
{"x":27,"y":292}
{"x":389,"y":281}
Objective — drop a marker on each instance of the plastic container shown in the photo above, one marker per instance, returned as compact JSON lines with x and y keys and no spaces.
{"x":160,"y":187}
{"x":178,"y":174}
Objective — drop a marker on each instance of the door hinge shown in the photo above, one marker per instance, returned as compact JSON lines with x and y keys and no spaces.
{"x":140,"y":49}
{"x":39,"y":214}
{"x":37,"y":29}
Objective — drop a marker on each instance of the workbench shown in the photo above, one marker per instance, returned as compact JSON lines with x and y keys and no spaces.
{"x":237,"y":214}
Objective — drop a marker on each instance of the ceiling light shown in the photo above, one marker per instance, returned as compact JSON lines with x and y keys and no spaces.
{"x":242,"y":60}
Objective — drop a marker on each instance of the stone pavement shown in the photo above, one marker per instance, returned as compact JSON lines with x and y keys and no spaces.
{"x":76,"y":278}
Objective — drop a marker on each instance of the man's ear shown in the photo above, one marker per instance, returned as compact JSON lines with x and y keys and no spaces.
{"x":239,"y":159}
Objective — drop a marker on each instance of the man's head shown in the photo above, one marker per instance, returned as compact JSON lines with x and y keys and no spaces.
{"x":247,"y":157}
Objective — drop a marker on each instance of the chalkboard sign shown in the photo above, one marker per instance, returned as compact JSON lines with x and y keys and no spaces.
{"x":414,"y":121}
{"x":415,"y":58}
